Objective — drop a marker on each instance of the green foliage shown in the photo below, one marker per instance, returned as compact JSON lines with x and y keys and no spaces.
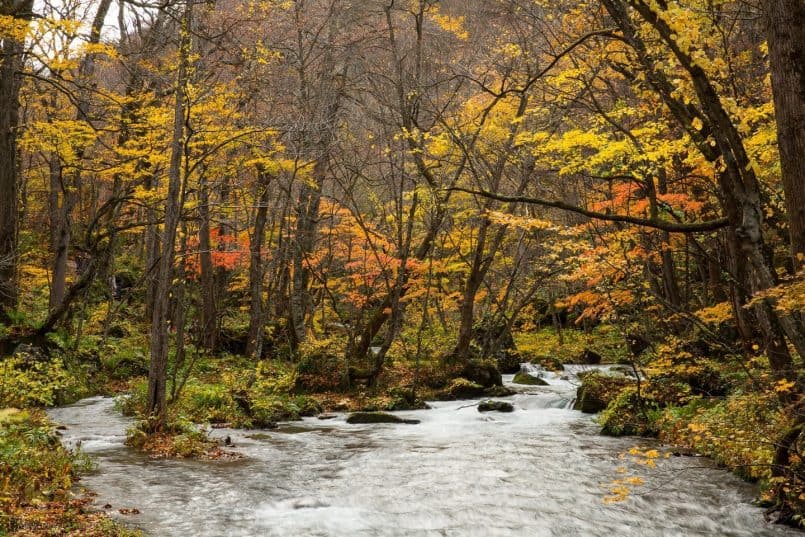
{"x":320,"y":367}
{"x":233,"y":394}
{"x":125,"y":357}
{"x":599,"y":389}
{"x":180,"y":438}
{"x":604,"y":339}
{"x":738,"y":431}
{"x":30,"y":381}
{"x":33,"y":463}
{"x":628,"y":414}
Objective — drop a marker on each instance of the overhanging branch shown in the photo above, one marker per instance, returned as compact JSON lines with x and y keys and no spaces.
{"x":670,"y":227}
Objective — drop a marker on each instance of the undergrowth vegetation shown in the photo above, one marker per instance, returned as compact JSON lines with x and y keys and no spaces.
{"x":37,"y":476}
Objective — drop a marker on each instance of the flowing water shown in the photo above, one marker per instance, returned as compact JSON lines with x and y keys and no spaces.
{"x":541,"y":470}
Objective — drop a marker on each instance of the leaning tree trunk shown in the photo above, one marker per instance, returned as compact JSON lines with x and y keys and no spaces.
{"x":740,"y":189}
{"x":60,"y":221}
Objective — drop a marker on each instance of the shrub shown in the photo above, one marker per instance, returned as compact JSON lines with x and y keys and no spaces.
{"x":629,"y":414}
{"x":27,"y":381}
{"x":33,"y":462}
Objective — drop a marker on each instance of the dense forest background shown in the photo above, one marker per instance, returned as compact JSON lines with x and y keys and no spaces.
{"x":256,"y":202}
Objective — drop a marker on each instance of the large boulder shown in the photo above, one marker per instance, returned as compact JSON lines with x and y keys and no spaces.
{"x":495,"y":406}
{"x":588,"y":402}
{"x":529,"y":380}
{"x":377,"y":417}
{"x":484,"y":373}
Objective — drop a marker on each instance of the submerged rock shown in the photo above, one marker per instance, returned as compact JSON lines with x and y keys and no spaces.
{"x":495,"y":406}
{"x":528,"y":379}
{"x":377,"y":417}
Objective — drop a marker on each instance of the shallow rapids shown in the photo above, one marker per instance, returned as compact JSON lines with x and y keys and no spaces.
{"x":539,"y":471}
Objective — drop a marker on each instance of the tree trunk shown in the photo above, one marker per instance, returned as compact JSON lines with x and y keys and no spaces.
{"x":254,"y":345}
{"x":59,"y":230}
{"x":157,"y":374}
{"x":11,"y":64}
{"x":740,"y":191}
{"x":209,"y":315}
{"x":786,"y":39}
{"x":307,"y":217}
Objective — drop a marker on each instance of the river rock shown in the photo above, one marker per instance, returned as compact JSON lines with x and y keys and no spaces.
{"x":495,"y":406}
{"x":528,"y":379}
{"x":377,"y":417}
{"x":484,"y":373}
{"x":587,"y":402}
{"x":461,"y":388}
{"x":499,"y":391}
{"x":548,"y":362}
{"x":598,"y":390}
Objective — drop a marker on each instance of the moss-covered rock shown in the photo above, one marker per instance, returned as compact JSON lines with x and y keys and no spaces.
{"x":527,"y":379}
{"x":597,"y":390}
{"x":461,"y":388}
{"x":484,"y":373}
{"x":495,"y":406}
{"x":499,"y":391}
{"x":548,"y":362}
{"x":403,"y":398}
{"x":377,"y":417}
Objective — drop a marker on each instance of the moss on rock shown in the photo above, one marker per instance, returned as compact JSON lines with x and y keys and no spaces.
{"x":495,"y":406}
{"x":377,"y":417}
{"x":528,"y":379}
{"x":597,"y":390}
